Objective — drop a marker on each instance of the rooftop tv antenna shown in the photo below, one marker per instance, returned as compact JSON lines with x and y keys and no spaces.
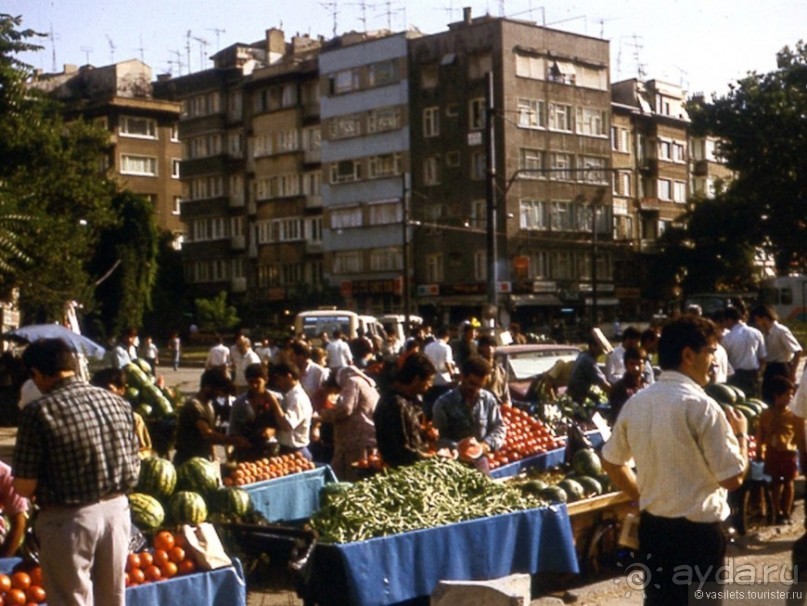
{"x":52,"y":37}
{"x":178,"y":61}
{"x":363,"y":6}
{"x":111,"y":49}
{"x":202,"y":51}
{"x":86,"y":50}
{"x":333,"y":8}
{"x":188,"y":49}
{"x":218,"y":31}
{"x":637,"y":49}
{"x":392,"y":11}
{"x":449,"y":10}
{"x":141,"y":50}
{"x":529,"y":12}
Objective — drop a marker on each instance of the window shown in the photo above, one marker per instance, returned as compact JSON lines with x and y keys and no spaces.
{"x":620,"y":139}
{"x":479,"y":214}
{"x":561,"y":216}
{"x":386,"y":259}
{"x":480,"y":265}
{"x":344,"y":81}
{"x":288,"y":95}
{"x":679,"y":152}
{"x":143,"y":128}
{"x":531,"y":162}
{"x":528,"y":66}
{"x":679,"y":191}
{"x":384,"y":212}
{"x":452,"y":110}
{"x":591,"y":122}
{"x":347,"y":262}
{"x":431,"y":170}
{"x":559,"y":164}
{"x":177,"y":205}
{"x":235,"y":105}
{"x":595,"y":172}
{"x":382,"y":73}
{"x":479,"y":65}
{"x":664,"y":189}
{"x":313,"y":229}
{"x":429,"y":76}
{"x":479,"y":168}
{"x":288,"y":140}
{"x":380,"y":120}
{"x":561,"y":72}
{"x":345,"y":171}
{"x":560,"y":117}
{"x":174,"y":133}
{"x":343,"y":127}
{"x":532,"y":214}
{"x":621,"y":183}
{"x":386,"y":165}
{"x":175,"y":164}
{"x":476,"y":117}
{"x":342,"y":218}
{"x":531,"y":113}
{"x":138,"y":165}
{"x":592,"y":77}
{"x":434,"y":268}
{"x":664,"y":150}
{"x":431,"y":122}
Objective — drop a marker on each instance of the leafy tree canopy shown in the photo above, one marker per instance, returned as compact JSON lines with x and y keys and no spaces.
{"x":216,"y":314}
{"x":762,"y":125}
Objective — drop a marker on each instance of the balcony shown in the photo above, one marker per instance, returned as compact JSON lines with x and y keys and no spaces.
{"x":236,"y":201}
{"x":313,"y":201}
{"x":238,"y":242}
{"x":238,"y":285}
{"x":700,"y":168}
{"x":647,"y":166}
{"x":312,"y":156}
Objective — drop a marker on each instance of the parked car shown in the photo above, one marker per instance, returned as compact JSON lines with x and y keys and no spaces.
{"x":525,"y":363}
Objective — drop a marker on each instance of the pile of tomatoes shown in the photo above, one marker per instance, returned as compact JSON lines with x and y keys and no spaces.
{"x":526,"y":436}
{"x":248,"y":472}
{"x":167,"y":558}
{"x":22,"y":587}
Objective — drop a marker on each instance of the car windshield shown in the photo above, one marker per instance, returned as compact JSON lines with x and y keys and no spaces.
{"x":527,"y":364}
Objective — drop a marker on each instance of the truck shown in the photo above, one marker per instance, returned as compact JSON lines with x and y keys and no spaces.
{"x":787,"y":295}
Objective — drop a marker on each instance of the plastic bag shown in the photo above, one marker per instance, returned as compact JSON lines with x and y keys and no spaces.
{"x":205,"y":546}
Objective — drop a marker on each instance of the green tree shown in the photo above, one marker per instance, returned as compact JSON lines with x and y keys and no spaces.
{"x":126,"y":262}
{"x":761,"y":123}
{"x":216,"y":313}
{"x":51,"y":173}
{"x":169,"y":298}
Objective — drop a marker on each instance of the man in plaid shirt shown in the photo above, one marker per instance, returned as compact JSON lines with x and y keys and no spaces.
{"x":76,"y":455}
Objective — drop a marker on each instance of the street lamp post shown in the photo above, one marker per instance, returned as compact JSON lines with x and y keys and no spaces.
{"x":490,"y":189}
{"x":407,"y":283}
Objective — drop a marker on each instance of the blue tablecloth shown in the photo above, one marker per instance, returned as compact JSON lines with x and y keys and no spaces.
{"x":292,"y":497}
{"x":221,"y":587}
{"x":400,"y":567}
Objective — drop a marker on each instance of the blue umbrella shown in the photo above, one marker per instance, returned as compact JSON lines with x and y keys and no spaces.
{"x":76,"y":342}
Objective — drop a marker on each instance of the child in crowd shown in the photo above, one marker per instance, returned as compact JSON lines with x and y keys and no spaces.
{"x":780,"y":436}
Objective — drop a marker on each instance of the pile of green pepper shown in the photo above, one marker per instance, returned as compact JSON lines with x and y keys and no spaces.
{"x":430,"y":493}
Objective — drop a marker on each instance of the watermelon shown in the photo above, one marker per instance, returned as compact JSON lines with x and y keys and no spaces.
{"x":739,"y":394}
{"x":151,"y":394}
{"x":198,"y":475}
{"x":756,"y":404}
{"x":605,"y":481}
{"x":586,"y":462}
{"x":721,"y":392}
{"x":144,"y":366}
{"x":146,"y":511}
{"x":135,"y":376}
{"x":591,"y":487}
{"x":230,"y":501}
{"x":144,"y":410}
{"x":554,"y":494}
{"x":187,"y":507}
{"x":158,"y":477}
{"x":533,"y":487}
{"x":573,"y":489}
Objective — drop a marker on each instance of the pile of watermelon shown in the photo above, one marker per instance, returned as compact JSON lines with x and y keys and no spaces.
{"x":728,"y":395}
{"x":192,"y":493}
{"x":147,"y":394}
{"x":583,"y":479}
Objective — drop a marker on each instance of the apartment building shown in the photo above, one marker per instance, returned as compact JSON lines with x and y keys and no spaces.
{"x":550,"y":99}
{"x":145,"y":154}
{"x":364,"y":85}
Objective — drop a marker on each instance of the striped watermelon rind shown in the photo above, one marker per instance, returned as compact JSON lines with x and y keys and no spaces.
{"x":198,"y":475}
{"x":187,"y":507}
{"x":158,"y":477}
{"x":230,"y":501}
{"x":147,"y":512}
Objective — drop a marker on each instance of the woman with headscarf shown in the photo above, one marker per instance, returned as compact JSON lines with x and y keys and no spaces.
{"x":352,"y":418}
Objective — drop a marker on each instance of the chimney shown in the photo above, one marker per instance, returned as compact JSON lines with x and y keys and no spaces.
{"x":275,"y":43}
{"x":466,"y":15}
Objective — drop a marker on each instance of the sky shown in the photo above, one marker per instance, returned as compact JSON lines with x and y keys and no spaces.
{"x":702,"y":45}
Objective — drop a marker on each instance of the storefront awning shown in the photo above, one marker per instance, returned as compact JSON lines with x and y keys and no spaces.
{"x":545,"y":300}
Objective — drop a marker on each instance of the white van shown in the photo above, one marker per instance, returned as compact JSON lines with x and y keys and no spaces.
{"x":396,"y":324}
{"x":313,"y":323}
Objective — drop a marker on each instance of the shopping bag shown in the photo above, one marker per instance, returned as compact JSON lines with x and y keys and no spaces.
{"x":205,"y":547}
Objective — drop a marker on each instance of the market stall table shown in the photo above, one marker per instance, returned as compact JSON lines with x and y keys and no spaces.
{"x":220,"y":587}
{"x":545,"y":460}
{"x":292,"y":497}
{"x":392,"y":569}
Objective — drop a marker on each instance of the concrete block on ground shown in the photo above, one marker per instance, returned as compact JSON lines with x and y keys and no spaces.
{"x":512,"y":590}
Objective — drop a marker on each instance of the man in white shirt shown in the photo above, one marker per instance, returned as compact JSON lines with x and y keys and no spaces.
{"x":615,"y":361}
{"x":782,"y":348}
{"x":218,"y":356}
{"x":247,"y":356}
{"x":293,"y":413}
{"x":442,"y":356}
{"x":674,"y":425}
{"x":338,"y":352}
{"x":745,"y":347}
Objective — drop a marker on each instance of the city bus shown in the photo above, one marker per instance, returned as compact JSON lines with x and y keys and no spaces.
{"x":787,"y":295}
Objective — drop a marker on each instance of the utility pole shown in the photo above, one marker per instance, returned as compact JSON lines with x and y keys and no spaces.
{"x":490,"y":190}
{"x":407,"y":282}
